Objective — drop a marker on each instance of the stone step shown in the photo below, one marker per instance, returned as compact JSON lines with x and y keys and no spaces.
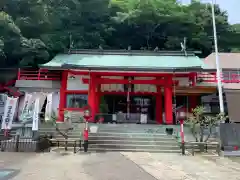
{"x":90,"y":149}
{"x":133,"y":150}
{"x":115,"y":134}
{"x":132,"y":141}
{"x":135,"y":146}
{"x":136,"y":138}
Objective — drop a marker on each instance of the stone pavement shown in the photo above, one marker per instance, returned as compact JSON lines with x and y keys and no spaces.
{"x":62,"y":166}
{"x":177,"y":167}
{"x":118,"y":166}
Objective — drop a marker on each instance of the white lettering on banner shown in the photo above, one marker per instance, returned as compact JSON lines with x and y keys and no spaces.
{"x":35,"y":115}
{"x":9,"y":110}
{"x":26,"y":107}
{"x":3,"y":98}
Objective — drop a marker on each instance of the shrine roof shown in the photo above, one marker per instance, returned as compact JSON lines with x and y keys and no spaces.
{"x":125,"y":60}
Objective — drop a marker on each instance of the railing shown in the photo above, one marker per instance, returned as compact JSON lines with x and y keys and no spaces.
{"x":17,"y":144}
{"x":39,"y":74}
{"x":226,"y":77}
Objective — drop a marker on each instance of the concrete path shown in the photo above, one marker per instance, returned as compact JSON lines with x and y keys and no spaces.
{"x":177,"y":167}
{"x":118,"y":166}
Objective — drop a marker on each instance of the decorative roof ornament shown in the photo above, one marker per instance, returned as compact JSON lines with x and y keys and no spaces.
{"x":156,"y":49}
{"x":183,"y":46}
{"x":100,"y":47}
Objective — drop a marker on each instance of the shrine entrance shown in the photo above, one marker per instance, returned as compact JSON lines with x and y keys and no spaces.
{"x":118,"y":104}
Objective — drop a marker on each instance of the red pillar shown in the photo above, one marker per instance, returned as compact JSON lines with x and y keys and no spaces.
{"x":159,"y":111}
{"x":192,"y":102}
{"x":92,"y":96}
{"x":168,"y":101}
{"x":98,"y":98}
{"x":63,"y":98}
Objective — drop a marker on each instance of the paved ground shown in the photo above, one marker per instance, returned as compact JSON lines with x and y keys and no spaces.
{"x":177,"y":167}
{"x":118,"y":166}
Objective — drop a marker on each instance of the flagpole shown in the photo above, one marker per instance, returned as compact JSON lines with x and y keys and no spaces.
{"x":219,"y":82}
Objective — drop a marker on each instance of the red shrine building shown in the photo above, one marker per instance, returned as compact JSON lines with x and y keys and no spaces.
{"x":129,"y":83}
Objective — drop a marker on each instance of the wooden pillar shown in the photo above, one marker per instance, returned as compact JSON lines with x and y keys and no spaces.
{"x":63,"y":98}
{"x":159,"y":110}
{"x":92,"y":96}
{"x":168,"y":100}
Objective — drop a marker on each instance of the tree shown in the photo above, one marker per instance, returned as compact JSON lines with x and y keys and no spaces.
{"x":32,"y":32}
{"x":199,"y":123}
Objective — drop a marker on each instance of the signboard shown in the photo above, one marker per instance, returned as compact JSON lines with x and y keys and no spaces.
{"x":9,"y":110}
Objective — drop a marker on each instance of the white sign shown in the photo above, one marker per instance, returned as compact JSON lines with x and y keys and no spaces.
{"x":143,"y":118}
{"x":9,"y":110}
{"x":35,"y":115}
{"x":3,"y":98}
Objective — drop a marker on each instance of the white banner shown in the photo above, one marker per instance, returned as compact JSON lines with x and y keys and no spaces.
{"x":3,"y":98}
{"x":48,"y":111}
{"x":9,"y":111}
{"x":25,"y":106}
{"x":35,"y":115}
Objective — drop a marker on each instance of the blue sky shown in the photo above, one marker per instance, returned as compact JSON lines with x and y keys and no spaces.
{"x":231,"y":6}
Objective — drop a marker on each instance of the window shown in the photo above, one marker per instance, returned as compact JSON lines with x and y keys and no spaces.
{"x":230,"y":76}
{"x":77,"y":100}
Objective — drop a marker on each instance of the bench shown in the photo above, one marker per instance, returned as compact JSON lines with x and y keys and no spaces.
{"x":75,"y":143}
{"x":199,"y":146}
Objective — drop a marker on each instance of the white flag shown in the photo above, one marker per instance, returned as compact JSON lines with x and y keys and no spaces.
{"x":25,"y":107}
{"x":9,"y":110}
{"x":3,"y":98}
{"x":35,"y":115}
{"x":48,"y":111}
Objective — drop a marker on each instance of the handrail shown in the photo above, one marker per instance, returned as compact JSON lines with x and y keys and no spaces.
{"x":40,"y":74}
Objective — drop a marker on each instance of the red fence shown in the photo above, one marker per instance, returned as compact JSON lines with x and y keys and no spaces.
{"x":39,"y":74}
{"x":226,"y":77}
{"x":55,"y":75}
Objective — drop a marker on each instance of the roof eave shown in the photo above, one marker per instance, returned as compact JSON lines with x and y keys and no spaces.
{"x":119,"y":68}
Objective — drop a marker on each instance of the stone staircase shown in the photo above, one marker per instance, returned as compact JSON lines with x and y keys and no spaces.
{"x":122,"y":137}
{"x":132,"y":137}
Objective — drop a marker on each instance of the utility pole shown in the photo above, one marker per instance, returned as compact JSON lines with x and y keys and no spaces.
{"x":219,"y":79}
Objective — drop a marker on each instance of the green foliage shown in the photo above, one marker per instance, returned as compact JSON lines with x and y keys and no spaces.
{"x":199,"y":122}
{"x":33,"y":31}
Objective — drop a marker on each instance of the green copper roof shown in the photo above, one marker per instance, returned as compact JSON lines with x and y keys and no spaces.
{"x":138,"y":61}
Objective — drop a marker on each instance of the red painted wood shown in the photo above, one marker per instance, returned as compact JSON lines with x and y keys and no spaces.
{"x":125,"y":93}
{"x":92,"y":96}
{"x":126,"y":81}
{"x":121,"y":73}
{"x":76,"y":91}
{"x":63,"y":97}
{"x":159,"y":107}
{"x":168,"y":102}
